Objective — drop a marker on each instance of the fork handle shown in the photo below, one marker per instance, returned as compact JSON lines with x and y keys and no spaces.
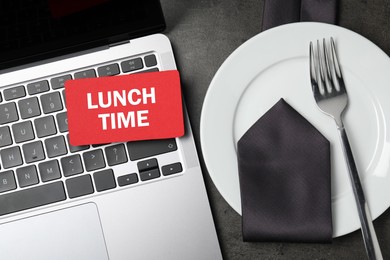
{"x":367,"y":227}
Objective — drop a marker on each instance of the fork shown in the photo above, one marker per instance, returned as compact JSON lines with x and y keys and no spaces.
{"x":331,"y":98}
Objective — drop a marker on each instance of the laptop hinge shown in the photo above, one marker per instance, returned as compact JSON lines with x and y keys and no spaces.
{"x":118,"y":43}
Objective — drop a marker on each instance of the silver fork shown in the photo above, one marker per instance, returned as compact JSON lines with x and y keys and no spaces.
{"x":331,"y":97}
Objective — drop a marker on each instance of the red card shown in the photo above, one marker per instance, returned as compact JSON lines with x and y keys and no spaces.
{"x":124,"y":108}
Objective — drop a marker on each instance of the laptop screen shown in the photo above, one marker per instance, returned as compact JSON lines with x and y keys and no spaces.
{"x":32,"y":30}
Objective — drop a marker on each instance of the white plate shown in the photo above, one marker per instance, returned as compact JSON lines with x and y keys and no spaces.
{"x":275,"y":64}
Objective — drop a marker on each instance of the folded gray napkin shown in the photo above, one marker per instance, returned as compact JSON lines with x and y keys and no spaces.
{"x":284,"y":173}
{"x":278,"y":12}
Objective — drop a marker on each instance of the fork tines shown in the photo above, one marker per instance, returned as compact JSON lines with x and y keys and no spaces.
{"x":325,"y":72}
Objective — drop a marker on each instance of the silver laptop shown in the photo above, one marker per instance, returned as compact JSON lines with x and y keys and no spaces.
{"x":134,"y":200}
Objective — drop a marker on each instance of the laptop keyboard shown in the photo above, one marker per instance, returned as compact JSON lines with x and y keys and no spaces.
{"x":40,"y":167}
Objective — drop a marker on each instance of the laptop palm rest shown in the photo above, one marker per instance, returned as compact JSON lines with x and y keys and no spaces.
{"x":71,"y":233}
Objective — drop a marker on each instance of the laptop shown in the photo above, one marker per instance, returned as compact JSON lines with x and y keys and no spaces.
{"x":133,"y":200}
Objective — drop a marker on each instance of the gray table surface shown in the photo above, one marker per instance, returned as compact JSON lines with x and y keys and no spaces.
{"x":203,"y":34}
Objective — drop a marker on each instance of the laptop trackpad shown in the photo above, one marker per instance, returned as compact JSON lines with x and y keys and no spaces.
{"x":72,"y":233}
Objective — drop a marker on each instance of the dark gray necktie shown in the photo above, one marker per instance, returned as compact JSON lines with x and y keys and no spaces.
{"x":284,"y":173}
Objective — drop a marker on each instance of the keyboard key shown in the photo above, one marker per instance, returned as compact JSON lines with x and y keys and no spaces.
{"x":33,"y":197}
{"x":38,"y":87}
{"x":27,"y":176}
{"x":14,"y":92}
{"x":149,"y":70}
{"x":98,"y":145}
{"x":108,"y":70}
{"x":150,"y":174}
{"x":171,"y":169}
{"x":55,"y":146}
{"x":51,"y":102}
{"x":5,"y":136}
{"x":74,"y":149}
{"x":71,"y":165}
{"x":115,"y":154}
{"x":150,"y":60}
{"x":11,"y":157}
{"x":132,"y":65}
{"x":33,"y":152}
{"x":94,"y":160}
{"x":59,"y":82}
{"x":45,"y":126}
{"x":79,"y":186}
{"x":143,"y":149}
{"x":7,"y":181}
{"x":8,"y":113}
{"x":23,"y":131}
{"x":29,"y":107}
{"x":85,"y":74}
{"x":147,"y":164}
{"x":104,"y":180}
{"x":62,"y":121}
{"x":127,"y":179}
{"x":49,"y":170}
